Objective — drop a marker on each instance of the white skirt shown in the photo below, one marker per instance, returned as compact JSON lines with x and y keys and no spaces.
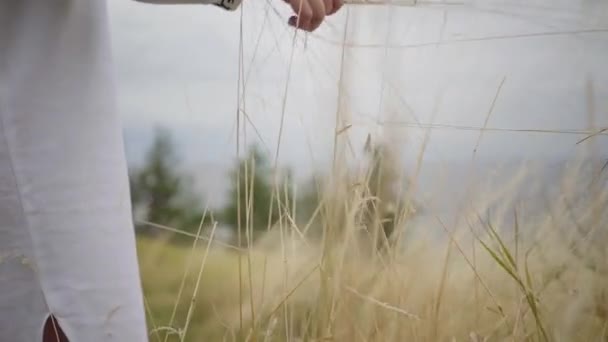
{"x":67,"y":245}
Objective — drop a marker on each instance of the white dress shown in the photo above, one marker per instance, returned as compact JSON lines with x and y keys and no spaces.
{"x":67,"y":246}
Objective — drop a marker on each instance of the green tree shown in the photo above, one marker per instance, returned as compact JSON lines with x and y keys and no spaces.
{"x":160,"y":194}
{"x":387,"y":189}
{"x":309,"y":202}
{"x":251,"y":195}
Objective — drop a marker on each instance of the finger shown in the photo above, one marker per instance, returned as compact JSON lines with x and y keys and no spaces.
{"x":303,"y":13}
{"x":329,"y":6}
{"x":318,"y":13}
{"x":336,"y":5}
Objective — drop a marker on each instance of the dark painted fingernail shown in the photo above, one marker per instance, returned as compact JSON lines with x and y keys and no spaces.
{"x":293,"y":21}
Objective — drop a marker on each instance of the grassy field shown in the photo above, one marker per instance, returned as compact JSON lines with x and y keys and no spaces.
{"x":542,"y":278}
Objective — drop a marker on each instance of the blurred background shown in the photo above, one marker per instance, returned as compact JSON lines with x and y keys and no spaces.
{"x":409,"y":67}
{"x":465,"y":95}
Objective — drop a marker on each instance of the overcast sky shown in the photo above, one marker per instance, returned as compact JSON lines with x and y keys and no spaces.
{"x":440,"y":64}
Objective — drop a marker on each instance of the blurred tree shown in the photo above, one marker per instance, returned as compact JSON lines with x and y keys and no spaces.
{"x":159,"y":193}
{"x":386,"y":188}
{"x":308,"y":203}
{"x":251,"y":195}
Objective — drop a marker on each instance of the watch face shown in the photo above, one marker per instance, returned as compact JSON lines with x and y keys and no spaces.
{"x":229,"y":5}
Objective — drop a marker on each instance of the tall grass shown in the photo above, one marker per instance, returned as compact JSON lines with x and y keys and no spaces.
{"x":498,"y":272}
{"x":493,"y":277}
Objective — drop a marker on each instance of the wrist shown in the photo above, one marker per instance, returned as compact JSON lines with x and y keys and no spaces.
{"x":229,"y":5}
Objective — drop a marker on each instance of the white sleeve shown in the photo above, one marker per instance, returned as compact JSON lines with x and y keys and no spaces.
{"x":67,"y":244}
{"x":229,"y":5}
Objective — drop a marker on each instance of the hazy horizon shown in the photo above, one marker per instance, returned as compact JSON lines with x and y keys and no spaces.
{"x":538,"y":68}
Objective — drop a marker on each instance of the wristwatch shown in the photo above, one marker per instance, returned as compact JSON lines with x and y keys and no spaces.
{"x":230,"y":5}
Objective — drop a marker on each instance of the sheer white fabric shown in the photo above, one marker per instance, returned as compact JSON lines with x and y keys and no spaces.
{"x":67,"y":245}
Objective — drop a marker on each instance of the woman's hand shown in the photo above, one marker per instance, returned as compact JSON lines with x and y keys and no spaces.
{"x":309,"y":14}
